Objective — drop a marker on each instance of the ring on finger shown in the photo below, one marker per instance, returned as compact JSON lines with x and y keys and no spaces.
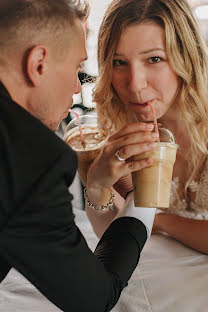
{"x":118,"y":157}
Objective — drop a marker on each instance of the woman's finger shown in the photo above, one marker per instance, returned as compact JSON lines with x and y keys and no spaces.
{"x":132,"y":128}
{"x":138,"y":164}
{"x":135,"y":149}
{"x":126,"y":143}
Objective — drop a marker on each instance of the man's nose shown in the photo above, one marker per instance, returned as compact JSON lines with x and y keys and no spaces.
{"x":78,"y":87}
{"x":137,"y":79}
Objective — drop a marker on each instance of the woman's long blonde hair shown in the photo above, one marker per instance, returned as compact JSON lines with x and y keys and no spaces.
{"x":186,"y":53}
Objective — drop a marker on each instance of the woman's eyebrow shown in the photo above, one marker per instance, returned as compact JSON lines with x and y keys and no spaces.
{"x":152,"y":50}
{"x":142,"y":52}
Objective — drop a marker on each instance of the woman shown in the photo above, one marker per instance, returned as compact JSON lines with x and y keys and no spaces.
{"x":151,"y":50}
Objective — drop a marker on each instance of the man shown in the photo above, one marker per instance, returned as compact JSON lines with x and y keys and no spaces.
{"x":42,"y":45}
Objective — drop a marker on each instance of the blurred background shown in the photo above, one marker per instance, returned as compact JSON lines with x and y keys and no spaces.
{"x":82,"y":103}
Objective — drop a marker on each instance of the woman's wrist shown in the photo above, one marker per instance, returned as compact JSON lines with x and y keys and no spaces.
{"x":99,"y":196}
{"x":107,"y":205}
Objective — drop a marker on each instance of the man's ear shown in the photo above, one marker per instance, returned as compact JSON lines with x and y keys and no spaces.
{"x":36,"y":64}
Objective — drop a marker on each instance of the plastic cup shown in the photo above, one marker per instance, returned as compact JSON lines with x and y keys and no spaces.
{"x":152,"y":185}
{"x":95,"y":137}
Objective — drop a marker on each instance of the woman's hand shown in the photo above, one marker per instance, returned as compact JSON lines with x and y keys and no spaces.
{"x":106,"y":170}
{"x":132,"y":139}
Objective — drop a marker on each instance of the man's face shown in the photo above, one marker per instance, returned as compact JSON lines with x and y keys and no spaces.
{"x":61,"y":82}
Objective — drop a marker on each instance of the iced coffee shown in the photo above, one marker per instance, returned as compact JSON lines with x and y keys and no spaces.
{"x":152,"y":184}
{"x":95,"y":136}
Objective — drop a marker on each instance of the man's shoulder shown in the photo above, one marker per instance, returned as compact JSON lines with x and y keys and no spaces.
{"x":27,"y":132}
{"x":29,"y":150}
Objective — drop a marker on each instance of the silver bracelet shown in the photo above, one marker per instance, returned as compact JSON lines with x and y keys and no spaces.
{"x":109,"y":205}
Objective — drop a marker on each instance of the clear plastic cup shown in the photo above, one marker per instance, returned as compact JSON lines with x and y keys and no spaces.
{"x":152,"y":184}
{"x":95,"y":136}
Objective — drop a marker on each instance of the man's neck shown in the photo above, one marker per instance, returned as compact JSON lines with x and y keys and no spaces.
{"x":15,"y":89}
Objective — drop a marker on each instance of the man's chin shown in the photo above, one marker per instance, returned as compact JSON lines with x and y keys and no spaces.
{"x":54,"y":126}
{"x":57,"y":128}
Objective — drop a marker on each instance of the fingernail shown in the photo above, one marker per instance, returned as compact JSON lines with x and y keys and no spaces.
{"x":149,"y":161}
{"x":149,"y":126}
{"x":155,"y":135}
{"x":151,"y":145}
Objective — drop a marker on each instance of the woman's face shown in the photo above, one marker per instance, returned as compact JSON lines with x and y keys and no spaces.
{"x":142,"y":73}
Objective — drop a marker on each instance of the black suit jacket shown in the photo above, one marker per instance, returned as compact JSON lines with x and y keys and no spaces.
{"x":38,"y":235}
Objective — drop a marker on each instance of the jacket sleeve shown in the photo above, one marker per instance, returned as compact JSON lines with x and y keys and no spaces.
{"x":38,"y":235}
{"x":42,"y":242}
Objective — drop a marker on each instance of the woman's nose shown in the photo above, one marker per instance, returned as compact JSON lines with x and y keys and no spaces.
{"x":137,"y":80}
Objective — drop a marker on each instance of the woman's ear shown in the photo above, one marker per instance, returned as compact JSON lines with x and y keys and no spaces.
{"x":36,"y":65}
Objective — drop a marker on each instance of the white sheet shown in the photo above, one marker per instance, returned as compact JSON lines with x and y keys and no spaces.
{"x":169,"y":278}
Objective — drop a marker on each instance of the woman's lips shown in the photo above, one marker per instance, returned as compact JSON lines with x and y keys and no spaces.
{"x":139,"y":105}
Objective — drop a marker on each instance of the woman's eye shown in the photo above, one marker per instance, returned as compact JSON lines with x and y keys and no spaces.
{"x":118,"y":63}
{"x":154,"y":60}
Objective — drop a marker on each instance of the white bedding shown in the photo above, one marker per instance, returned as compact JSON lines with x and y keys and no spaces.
{"x":169,"y":278}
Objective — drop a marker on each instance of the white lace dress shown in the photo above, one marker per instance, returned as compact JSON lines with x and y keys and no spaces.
{"x":196,"y":208}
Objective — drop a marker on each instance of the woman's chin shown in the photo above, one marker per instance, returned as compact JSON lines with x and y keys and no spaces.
{"x":144,"y":117}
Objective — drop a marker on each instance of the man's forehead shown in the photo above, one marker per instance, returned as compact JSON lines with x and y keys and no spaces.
{"x":78,"y":28}
{"x":79,"y":41}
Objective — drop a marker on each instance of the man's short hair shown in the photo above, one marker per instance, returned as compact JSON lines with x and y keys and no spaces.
{"x":32,"y":22}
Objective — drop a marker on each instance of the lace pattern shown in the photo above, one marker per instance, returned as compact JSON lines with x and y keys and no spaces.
{"x":197,"y":209}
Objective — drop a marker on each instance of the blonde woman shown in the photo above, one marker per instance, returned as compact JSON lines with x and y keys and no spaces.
{"x":151,"y":50}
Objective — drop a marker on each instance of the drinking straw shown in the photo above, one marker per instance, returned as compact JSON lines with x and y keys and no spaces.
{"x":80,"y":127}
{"x":154,"y":119}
